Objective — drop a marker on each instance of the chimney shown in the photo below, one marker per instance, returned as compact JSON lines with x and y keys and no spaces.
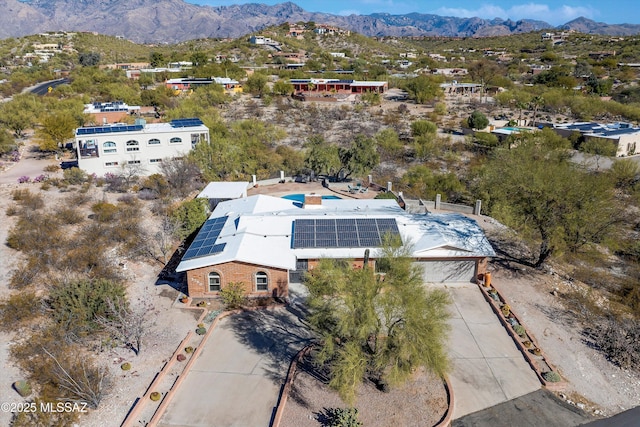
{"x":312,"y":201}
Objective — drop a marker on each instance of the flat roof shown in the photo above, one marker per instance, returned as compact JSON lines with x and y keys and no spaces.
{"x":224,"y":190}
{"x":260,"y":230}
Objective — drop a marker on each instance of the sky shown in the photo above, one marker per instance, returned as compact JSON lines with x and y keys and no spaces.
{"x":553,"y":12}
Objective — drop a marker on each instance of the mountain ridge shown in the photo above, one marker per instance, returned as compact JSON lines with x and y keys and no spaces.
{"x":154,"y":21}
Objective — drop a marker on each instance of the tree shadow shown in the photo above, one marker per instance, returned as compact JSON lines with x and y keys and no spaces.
{"x":275,"y":334}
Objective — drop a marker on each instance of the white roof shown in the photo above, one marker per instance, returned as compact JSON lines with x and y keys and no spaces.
{"x":224,"y":190}
{"x":259,"y":230}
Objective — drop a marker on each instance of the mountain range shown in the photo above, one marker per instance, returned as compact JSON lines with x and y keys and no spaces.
{"x":172,"y":21}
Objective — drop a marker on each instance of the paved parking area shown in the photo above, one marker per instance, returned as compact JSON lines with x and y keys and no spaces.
{"x":236,"y":380}
{"x":487,"y":368}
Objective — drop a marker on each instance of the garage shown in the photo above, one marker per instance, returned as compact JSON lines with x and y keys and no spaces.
{"x":448,"y":271}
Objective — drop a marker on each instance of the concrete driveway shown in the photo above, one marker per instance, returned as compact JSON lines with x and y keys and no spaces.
{"x":487,"y":368}
{"x":236,"y":380}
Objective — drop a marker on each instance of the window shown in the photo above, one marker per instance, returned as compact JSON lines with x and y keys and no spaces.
{"x":175,"y":140}
{"x":133,"y":145}
{"x":154,"y":141}
{"x":262,"y":281}
{"x":109,"y":147}
{"x":134,"y":162}
{"x":155,"y":160}
{"x":214,"y":282}
{"x":111,"y":164}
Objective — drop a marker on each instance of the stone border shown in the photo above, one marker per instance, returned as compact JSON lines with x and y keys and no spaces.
{"x":553,"y":386}
{"x":286,"y":390}
{"x":131,"y":418}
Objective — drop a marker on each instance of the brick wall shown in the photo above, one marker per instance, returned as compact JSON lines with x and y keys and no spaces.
{"x":198,"y":279}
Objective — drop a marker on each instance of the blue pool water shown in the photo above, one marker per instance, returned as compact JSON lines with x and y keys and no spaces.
{"x":300,"y":197}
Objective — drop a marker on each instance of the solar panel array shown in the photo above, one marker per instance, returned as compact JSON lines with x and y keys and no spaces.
{"x":205,"y":242}
{"x":108,"y":129}
{"x":342,"y":233}
{"x":185,"y":123}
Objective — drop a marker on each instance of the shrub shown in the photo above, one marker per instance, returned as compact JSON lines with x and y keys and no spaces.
{"x":519,"y":329}
{"x":506,"y":310}
{"x":74,"y":176}
{"x":233,"y":295}
{"x":201,"y":331}
{"x":477,"y":120}
{"x":155,"y":396}
{"x":343,"y":417}
{"x":552,"y":377}
{"x":69,"y":215}
{"x":486,"y":139}
{"x":40,"y":178}
{"x":181,"y":357}
{"x":24,"y":180}
{"x":188,"y":350}
{"x":20,"y":307}
{"x":77,"y":304}
{"x":385,"y":195}
{"x":125,"y":366}
{"x":51,"y":168}
{"x":22,"y":387}
{"x":104,"y":212}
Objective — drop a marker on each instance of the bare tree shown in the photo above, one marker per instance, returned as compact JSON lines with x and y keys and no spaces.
{"x":80,"y":380}
{"x":182,"y":175}
{"x":128,"y":324}
{"x":165,"y":237}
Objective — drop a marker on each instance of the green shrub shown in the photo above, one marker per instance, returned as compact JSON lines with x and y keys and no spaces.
{"x":486,"y":139}
{"x":201,"y":331}
{"x":104,"y":212}
{"x":552,"y":377}
{"x":22,"y":387}
{"x":343,"y":417}
{"x":20,"y":307}
{"x":77,"y":304}
{"x":385,"y":195}
{"x":74,"y":176}
{"x":233,"y":295}
{"x":519,"y":329}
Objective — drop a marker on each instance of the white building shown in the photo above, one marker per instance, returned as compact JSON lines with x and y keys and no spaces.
{"x":113,"y":148}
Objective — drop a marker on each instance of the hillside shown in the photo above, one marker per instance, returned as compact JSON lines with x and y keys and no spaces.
{"x":171,"y":21}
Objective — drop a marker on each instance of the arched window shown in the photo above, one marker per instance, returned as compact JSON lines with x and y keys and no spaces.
{"x":214,"y":282}
{"x":175,"y":140}
{"x":133,"y":145}
{"x":109,"y":147}
{"x":154,"y":141}
{"x":262,"y":281}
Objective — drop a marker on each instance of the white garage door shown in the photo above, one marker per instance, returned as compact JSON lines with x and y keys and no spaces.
{"x":448,"y":271}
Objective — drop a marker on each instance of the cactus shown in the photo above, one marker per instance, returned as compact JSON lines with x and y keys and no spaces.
{"x":181,"y":357}
{"x":551,"y":377}
{"x":155,"y":396}
{"x":125,"y":366}
{"x":506,"y":310}
{"x":201,"y":331}
{"x":22,"y":387}
{"x":188,"y":350}
{"x":519,"y":329}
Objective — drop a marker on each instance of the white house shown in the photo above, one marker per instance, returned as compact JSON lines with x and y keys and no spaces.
{"x":268,"y":242}
{"x":112,"y":148}
{"x":625,"y":136}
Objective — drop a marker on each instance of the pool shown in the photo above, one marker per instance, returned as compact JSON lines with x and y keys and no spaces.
{"x":514,"y":129}
{"x":299,"y":197}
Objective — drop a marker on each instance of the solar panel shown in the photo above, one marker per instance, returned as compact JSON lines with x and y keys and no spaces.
{"x":108,"y":129}
{"x":205,"y":242}
{"x":181,"y":123}
{"x":342,"y":233}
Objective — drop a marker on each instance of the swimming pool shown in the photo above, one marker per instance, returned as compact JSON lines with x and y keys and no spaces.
{"x":299,"y":197}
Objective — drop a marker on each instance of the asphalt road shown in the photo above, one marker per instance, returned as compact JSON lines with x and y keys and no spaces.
{"x":43,"y":88}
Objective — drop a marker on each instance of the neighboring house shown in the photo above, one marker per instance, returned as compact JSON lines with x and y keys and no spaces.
{"x":110,"y":112}
{"x":114,"y":148}
{"x":260,"y":40}
{"x":338,"y":86}
{"x":186,"y":84}
{"x":623,"y":135}
{"x":268,"y":242}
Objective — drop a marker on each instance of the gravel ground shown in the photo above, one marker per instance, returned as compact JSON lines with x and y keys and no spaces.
{"x":594,"y":383}
{"x":420,"y":402}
